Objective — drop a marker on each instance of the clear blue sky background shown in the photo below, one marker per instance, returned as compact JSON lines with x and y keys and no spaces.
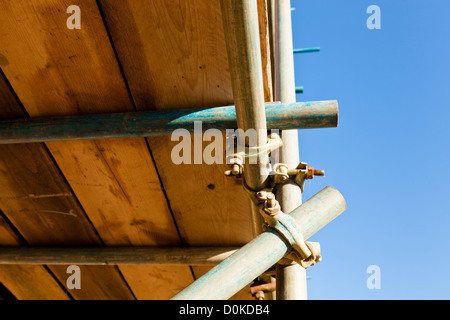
{"x":390,"y":154}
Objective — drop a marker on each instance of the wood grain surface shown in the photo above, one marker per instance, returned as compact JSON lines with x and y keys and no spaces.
{"x":57,"y":71}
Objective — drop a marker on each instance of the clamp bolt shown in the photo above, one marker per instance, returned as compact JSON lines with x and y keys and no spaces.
{"x":260,"y":295}
{"x":236,"y":170}
{"x":311,"y":172}
{"x":271,"y":202}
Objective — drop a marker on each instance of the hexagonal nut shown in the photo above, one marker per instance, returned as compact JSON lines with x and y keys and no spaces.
{"x":272,"y":210}
{"x":309,"y":172}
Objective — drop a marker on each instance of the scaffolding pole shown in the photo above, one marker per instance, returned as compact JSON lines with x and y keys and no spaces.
{"x":240,"y":21}
{"x":193,"y":256}
{"x":305,"y":115}
{"x":230,"y":276}
{"x":291,"y":278}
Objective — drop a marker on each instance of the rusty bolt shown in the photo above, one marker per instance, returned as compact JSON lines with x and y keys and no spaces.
{"x":310,"y":173}
{"x":320,"y":173}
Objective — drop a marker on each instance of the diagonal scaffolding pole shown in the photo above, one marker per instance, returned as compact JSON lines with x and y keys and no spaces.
{"x":227,"y":278}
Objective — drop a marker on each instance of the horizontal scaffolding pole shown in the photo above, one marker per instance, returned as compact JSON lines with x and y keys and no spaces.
{"x":249,"y":262}
{"x":283,"y":116}
{"x":307,"y":50}
{"x":208,"y":256}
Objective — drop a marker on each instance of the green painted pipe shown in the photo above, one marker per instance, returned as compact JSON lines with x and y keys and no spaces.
{"x":282,"y":116}
{"x":249,"y":262}
{"x":298,"y":89}
{"x":306,"y":50}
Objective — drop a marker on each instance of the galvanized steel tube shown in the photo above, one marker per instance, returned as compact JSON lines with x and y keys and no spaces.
{"x":306,"y":50}
{"x":291,"y":279}
{"x":260,"y":254}
{"x":306,"y":115}
{"x":207,"y":256}
{"x":240,"y":21}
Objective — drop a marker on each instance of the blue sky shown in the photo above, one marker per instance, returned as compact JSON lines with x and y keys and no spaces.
{"x":389,"y":156}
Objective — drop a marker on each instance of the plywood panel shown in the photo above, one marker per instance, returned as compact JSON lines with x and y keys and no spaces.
{"x":174,"y":57}
{"x":173,"y":52}
{"x":38,"y":201}
{"x":31,"y":283}
{"x":182,"y":64}
{"x":55,"y":70}
{"x":26,"y":282}
{"x":210,"y":208}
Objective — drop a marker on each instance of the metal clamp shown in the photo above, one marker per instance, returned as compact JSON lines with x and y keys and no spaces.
{"x":303,"y":172}
{"x":253,"y":154}
{"x":280,"y":173}
{"x":304,"y":253}
{"x":293,"y":257}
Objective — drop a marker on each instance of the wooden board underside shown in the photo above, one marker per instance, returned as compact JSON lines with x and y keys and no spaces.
{"x":55,"y":70}
{"x":184,"y":64}
{"x":36,"y":199}
{"x":173,"y":56}
{"x":41,"y":284}
{"x":27,"y":282}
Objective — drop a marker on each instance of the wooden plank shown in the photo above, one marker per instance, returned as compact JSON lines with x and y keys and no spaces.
{"x":41,"y":285}
{"x":40,"y":204}
{"x":173,"y":52}
{"x":7,"y":236}
{"x":181,"y":45}
{"x":37,"y":200}
{"x":27,"y":282}
{"x":57,"y":71}
{"x":174,"y":56}
{"x":31,"y":282}
{"x":210,"y":208}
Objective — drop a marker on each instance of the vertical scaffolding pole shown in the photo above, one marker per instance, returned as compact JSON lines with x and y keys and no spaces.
{"x":240,"y":20}
{"x":291,"y":279}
